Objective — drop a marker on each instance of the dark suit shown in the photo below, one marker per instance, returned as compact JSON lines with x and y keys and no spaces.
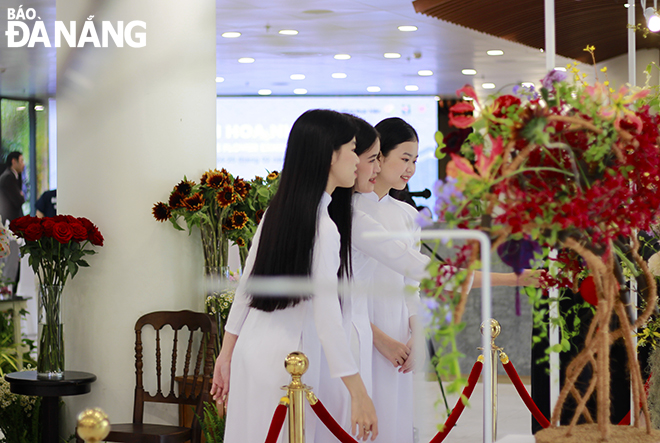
{"x":11,"y":198}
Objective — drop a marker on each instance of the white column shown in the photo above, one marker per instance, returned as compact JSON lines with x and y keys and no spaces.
{"x":131,"y":123}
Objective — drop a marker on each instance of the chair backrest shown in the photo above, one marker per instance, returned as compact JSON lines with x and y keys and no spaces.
{"x":194,"y":377}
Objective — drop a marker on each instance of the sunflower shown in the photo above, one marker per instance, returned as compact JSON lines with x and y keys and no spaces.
{"x":216,"y":179}
{"x":240,"y":242}
{"x":226,"y":196}
{"x":161,"y":211}
{"x":184,"y":187}
{"x":195,"y":202}
{"x":259,"y":215}
{"x":242,"y":187}
{"x":176,"y":200}
{"x":238,"y":220}
{"x":272,"y":176}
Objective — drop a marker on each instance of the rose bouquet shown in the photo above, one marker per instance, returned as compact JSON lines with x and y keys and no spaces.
{"x":57,"y":247}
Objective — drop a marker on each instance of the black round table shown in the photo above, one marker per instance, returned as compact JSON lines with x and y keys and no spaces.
{"x":73,"y":383}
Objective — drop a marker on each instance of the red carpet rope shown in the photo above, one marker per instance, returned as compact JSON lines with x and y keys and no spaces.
{"x":327,"y":419}
{"x":458,"y":409}
{"x":278,"y":421}
{"x":625,"y":421}
{"x":524,"y":395}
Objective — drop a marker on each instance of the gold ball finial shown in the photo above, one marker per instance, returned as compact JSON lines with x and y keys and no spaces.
{"x":296,"y":363}
{"x":93,"y":425}
{"x":495,"y":328}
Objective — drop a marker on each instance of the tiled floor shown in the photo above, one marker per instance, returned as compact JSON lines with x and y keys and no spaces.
{"x":514,"y":419}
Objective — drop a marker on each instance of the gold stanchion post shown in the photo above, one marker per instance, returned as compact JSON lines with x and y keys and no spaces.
{"x":495,"y":330}
{"x":296,"y":364}
{"x":93,"y":425}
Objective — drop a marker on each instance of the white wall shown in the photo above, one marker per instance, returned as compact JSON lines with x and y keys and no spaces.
{"x":617,"y":68}
{"x":131,"y":123}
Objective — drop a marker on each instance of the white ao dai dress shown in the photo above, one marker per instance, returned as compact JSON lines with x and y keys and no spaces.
{"x":313,"y":326}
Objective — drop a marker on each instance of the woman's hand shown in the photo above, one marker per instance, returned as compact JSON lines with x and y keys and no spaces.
{"x":530,"y":277}
{"x":409,"y":364}
{"x":393,"y":350}
{"x":364,"y":423}
{"x":221,"y":372}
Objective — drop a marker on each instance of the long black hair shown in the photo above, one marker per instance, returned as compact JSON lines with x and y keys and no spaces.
{"x":394,"y":131}
{"x":286,"y":246}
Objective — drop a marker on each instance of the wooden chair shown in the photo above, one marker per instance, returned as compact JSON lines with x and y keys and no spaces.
{"x":202,"y":331}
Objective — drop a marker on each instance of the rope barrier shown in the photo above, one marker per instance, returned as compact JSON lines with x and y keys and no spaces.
{"x":327,"y":419}
{"x":278,"y":421}
{"x":458,"y":409}
{"x":524,"y":395}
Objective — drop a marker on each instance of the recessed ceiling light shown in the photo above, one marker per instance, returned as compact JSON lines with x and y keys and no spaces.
{"x":527,"y":84}
{"x":469,"y":72}
{"x":425,"y":72}
{"x":488,"y":85}
{"x":39,"y":108}
{"x":342,"y":56}
{"x":495,"y":52}
{"x":231,"y":34}
{"x":288,"y":32}
{"x":541,"y":49}
{"x":297,"y":77}
{"x":264,"y":92}
{"x":560,"y":68}
{"x":373,"y":88}
{"x":468,"y":99}
{"x":407,"y":28}
{"x":20,"y":108}
{"x":300,"y":91}
{"x":219,"y":79}
{"x":246,"y":60}
{"x":626,"y":5}
{"x":437,"y":98}
{"x":412,"y":88}
{"x":339,"y":75}
{"x":392,"y":55}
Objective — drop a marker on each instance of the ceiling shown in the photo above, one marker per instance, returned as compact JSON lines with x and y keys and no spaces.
{"x":364,"y":29}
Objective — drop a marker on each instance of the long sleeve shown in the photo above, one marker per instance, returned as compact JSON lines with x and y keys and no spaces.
{"x":240,"y":307}
{"x":327,"y":310}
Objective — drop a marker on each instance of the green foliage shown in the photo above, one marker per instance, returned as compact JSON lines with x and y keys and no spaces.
{"x":213,"y":425}
{"x":9,"y":349}
{"x":19,"y":416}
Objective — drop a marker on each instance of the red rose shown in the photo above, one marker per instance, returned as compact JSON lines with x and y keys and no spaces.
{"x":47,"y":224}
{"x":95,"y":237}
{"x":502,"y":103}
{"x":33,"y":232}
{"x":19,"y":225}
{"x":86,"y":223}
{"x":79,"y":232}
{"x":62,"y":232}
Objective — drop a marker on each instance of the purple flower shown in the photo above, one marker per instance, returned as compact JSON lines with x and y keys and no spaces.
{"x":552,"y":77}
{"x":447,"y":196}
{"x":525,"y":91}
{"x":424,"y":218}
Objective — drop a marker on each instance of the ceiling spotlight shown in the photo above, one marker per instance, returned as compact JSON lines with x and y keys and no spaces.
{"x":297,"y":77}
{"x":264,"y":92}
{"x":425,"y":72}
{"x":392,"y":55}
{"x":246,"y":60}
{"x":300,"y":91}
{"x":626,"y":5}
{"x":342,"y":56}
{"x":495,"y":52}
{"x":339,"y":75}
{"x":469,"y":72}
{"x":407,"y":28}
{"x":231,"y":34}
{"x":288,"y":32}
{"x":373,"y":88}
{"x":488,"y":85}
{"x":652,"y":19}
{"x":412,"y":88}
{"x":219,"y":79}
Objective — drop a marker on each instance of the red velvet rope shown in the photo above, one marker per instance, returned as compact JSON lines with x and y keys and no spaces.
{"x":458,"y":409}
{"x":330,"y":423}
{"x":276,"y":423}
{"x":625,"y":421}
{"x":524,"y":395}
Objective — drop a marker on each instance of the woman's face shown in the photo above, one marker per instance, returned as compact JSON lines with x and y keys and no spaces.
{"x":398,"y":166}
{"x":368,"y":169}
{"x":343,"y":168}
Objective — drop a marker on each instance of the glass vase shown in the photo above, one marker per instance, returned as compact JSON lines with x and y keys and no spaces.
{"x":216,"y":249}
{"x":50,"y":352}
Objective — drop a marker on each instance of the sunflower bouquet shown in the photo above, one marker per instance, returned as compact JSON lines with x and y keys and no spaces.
{"x":223,"y":207}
